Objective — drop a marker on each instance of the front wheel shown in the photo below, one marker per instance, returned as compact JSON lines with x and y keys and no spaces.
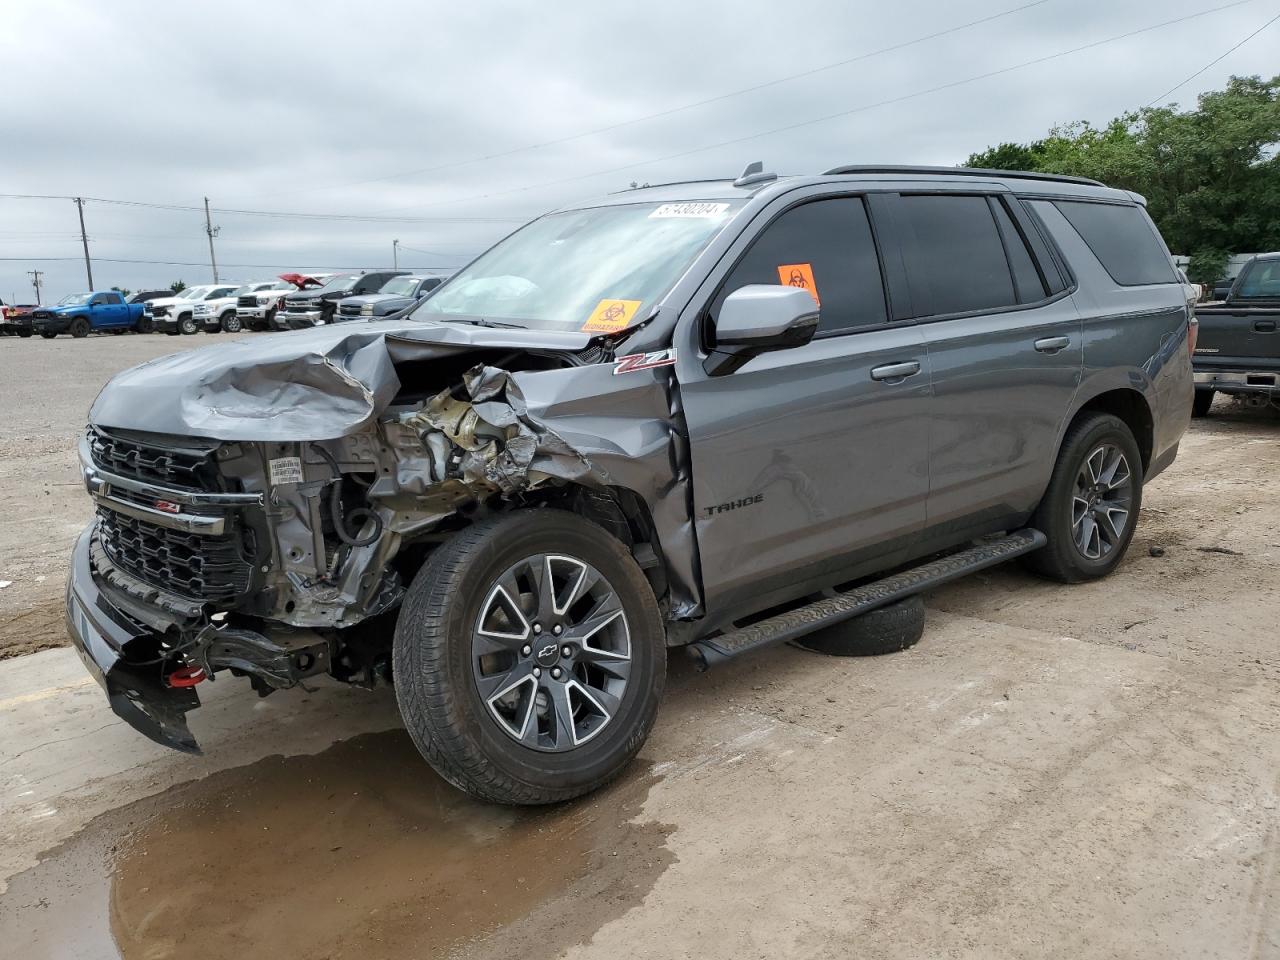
{"x":48,"y":336}
{"x":1091,"y":506}
{"x":230,"y":323}
{"x":529,"y":658}
{"x":187,"y":325}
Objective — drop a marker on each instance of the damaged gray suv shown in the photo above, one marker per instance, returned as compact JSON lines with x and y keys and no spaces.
{"x":713,"y":415}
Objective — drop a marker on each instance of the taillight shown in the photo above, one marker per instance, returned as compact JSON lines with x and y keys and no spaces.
{"x":1193,"y":332}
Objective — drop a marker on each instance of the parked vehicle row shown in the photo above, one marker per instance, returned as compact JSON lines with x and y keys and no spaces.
{"x":292,"y":301}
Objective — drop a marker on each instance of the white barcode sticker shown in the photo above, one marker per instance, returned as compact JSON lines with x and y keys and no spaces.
{"x":285,"y":470}
{"x":692,"y":210}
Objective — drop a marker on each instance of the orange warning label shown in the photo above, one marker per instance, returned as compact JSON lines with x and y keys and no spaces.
{"x":799,"y":275}
{"x":610,"y":316}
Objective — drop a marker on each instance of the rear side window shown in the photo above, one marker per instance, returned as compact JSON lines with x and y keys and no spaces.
{"x":1123,"y":240}
{"x":825,"y":246}
{"x":1026,"y":279}
{"x":957,"y":256}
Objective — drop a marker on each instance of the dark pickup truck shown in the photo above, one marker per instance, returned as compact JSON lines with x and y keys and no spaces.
{"x":1238,"y":349}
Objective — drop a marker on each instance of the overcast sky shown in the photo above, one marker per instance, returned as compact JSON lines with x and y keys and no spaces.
{"x":415,"y":110}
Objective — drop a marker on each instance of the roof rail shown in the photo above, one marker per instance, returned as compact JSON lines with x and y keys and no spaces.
{"x":963,"y":172}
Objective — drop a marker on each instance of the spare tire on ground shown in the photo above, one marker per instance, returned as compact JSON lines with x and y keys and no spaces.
{"x":883,"y":630}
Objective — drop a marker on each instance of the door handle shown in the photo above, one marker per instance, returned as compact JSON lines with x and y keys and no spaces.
{"x":1264,"y":326}
{"x":1052,"y":344}
{"x":896,"y":371}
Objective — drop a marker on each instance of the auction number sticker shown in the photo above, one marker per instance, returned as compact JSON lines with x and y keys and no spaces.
{"x":610,"y":316}
{"x":799,"y":275}
{"x":690,"y":211}
{"x":285,"y":470}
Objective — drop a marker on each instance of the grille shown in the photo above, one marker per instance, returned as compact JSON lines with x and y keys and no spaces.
{"x":211,"y":569}
{"x":188,"y":468}
{"x":349,"y":310}
{"x":249,"y":301}
{"x":160,"y":311}
{"x":292,"y":305}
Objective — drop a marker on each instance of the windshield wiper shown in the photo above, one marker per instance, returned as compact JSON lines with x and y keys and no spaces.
{"x":482,"y":322}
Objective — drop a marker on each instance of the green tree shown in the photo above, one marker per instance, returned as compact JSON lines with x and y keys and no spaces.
{"x":123,"y":291}
{"x":1211,"y":176}
{"x":1008,"y":156}
{"x":177,"y":286}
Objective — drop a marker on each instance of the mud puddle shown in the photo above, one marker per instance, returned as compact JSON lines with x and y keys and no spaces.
{"x":360,"y":851}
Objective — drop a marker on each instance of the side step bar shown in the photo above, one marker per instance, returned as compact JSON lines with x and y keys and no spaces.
{"x":844,"y":606}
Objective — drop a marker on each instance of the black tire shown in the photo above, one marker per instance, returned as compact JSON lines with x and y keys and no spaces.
{"x":48,"y":336}
{"x":79,"y":328}
{"x":230,"y":323}
{"x":436,"y":680}
{"x":883,"y":630}
{"x":144,"y":325}
{"x":1063,"y":559}
{"x":24,"y":334}
{"x":187,"y":325}
{"x":1202,"y":402}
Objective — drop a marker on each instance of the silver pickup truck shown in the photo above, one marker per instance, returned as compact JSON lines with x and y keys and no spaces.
{"x":714,"y":415}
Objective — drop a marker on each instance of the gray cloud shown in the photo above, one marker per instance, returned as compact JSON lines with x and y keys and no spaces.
{"x":317,"y":108}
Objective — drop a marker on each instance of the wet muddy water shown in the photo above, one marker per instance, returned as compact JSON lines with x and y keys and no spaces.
{"x":360,"y":851}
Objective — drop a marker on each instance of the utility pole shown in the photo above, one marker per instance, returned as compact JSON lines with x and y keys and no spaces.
{"x":212,"y":231}
{"x":84,"y":240}
{"x":395,"y":254}
{"x":35,"y":276}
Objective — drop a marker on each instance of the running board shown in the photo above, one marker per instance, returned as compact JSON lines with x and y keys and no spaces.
{"x":844,"y":606}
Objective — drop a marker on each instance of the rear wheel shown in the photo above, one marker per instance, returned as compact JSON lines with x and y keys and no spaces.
{"x":231,"y":323}
{"x":79,"y":328}
{"x":1091,"y":506}
{"x":187,"y":324}
{"x":529,"y":658}
{"x":144,"y":325}
{"x":1202,"y":402}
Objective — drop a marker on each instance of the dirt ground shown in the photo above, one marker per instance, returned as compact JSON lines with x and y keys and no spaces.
{"x":1061,"y":772}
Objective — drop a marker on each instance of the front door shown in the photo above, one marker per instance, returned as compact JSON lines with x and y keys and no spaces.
{"x":810,"y":460}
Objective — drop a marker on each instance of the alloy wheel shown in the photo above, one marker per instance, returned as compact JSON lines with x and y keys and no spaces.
{"x":1100,"y":504}
{"x":551,"y":652}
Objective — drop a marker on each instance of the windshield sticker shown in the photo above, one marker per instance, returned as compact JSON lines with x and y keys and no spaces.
{"x":799,"y":275}
{"x":610,"y":316}
{"x":694,"y":211}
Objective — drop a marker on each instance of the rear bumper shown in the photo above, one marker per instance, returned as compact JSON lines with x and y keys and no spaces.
{"x":119,"y":652}
{"x":1244,"y":381}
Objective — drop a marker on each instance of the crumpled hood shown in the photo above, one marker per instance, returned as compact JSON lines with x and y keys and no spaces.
{"x":316,"y":384}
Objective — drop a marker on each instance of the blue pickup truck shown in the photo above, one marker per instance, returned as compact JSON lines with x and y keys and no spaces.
{"x":83,"y":313}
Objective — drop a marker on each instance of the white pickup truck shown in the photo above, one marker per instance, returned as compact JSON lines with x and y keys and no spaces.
{"x":220,"y":315}
{"x":256,"y":311}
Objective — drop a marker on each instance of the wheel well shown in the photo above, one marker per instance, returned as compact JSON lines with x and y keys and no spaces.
{"x":1131,"y":407}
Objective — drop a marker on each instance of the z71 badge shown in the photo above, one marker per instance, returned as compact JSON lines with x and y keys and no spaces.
{"x":644,"y":361}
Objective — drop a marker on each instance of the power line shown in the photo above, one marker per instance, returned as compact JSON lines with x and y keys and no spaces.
{"x":673,"y":110}
{"x":844,"y":113}
{"x":198,"y":263}
{"x":279,"y":214}
{"x":1214,"y":61}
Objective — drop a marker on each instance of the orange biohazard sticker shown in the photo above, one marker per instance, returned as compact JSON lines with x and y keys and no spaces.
{"x":610,"y":316}
{"x":799,"y":275}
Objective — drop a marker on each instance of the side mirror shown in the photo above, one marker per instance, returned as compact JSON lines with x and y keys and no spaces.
{"x":756,"y":319}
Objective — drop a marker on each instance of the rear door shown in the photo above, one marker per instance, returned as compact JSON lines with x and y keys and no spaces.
{"x":1006,"y":350}
{"x":807,"y":461}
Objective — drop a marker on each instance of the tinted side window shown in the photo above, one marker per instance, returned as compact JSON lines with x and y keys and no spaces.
{"x":1026,"y":279}
{"x":1123,"y":240}
{"x":957,"y":255}
{"x":825,"y":246}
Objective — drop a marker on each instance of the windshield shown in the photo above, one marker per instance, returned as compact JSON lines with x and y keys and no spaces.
{"x":192,"y":293}
{"x":74,"y":300}
{"x":596,"y":270}
{"x":343,"y":281}
{"x":399,"y":286}
{"x":1260,"y":280}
